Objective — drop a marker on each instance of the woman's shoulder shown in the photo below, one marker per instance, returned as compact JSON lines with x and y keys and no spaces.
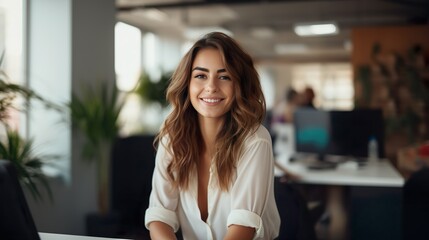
{"x":163,"y":147}
{"x":260,"y":134}
{"x":257,"y":145}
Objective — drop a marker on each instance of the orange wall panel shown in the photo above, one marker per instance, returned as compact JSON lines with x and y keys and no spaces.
{"x":397,"y":39}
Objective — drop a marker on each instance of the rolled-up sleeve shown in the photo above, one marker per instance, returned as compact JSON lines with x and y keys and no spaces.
{"x":247,"y":219}
{"x":164,"y":198}
{"x":250,"y":192}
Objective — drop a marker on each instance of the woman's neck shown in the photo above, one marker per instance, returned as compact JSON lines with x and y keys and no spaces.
{"x":210,"y":128}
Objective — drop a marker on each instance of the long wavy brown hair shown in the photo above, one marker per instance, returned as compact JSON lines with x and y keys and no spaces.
{"x":181,"y":126}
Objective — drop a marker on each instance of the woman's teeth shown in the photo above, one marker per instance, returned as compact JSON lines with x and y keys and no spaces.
{"x":211,"y":100}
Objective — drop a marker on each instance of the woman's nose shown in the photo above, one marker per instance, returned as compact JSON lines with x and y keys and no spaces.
{"x":211,"y":86}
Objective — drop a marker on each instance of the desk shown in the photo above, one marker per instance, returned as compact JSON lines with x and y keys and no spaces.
{"x":378,"y":174}
{"x":372,"y":174}
{"x":55,"y":236}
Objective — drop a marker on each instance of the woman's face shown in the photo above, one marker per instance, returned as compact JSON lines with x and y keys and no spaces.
{"x":211,"y":88}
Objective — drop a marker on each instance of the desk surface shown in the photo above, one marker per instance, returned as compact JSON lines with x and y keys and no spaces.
{"x":377,"y":174}
{"x":55,"y":236}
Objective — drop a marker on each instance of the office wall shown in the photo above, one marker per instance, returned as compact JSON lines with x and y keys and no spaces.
{"x":392,"y":39}
{"x":80,"y":36}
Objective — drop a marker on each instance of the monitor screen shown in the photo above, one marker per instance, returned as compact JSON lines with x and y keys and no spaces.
{"x":16,"y":222}
{"x":312,"y":131}
{"x":343,"y":133}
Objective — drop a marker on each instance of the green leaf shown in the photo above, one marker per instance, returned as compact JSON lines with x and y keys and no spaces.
{"x":96,"y":115}
{"x":29,"y":166}
{"x":153,"y":91}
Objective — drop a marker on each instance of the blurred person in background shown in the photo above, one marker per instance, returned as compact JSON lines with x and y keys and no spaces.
{"x":308,"y":97}
{"x":283,"y":110}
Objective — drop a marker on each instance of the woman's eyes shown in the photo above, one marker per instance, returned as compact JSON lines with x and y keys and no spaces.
{"x":224,"y":78}
{"x":200,"y":76}
{"x":205,"y":76}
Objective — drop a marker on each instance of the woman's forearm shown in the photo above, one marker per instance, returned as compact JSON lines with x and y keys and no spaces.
{"x":160,"y":230}
{"x":239,"y":232}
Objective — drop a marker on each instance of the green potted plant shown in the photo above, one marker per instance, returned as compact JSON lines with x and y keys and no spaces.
{"x":153,"y":91}
{"x":28,"y":165}
{"x":95,"y":113}
{"x":16,"y":149}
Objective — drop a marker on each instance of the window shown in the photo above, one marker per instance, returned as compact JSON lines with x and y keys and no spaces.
{"x":128,"y":69}
{"x":11,"y":45}
{"x":127,"y":56}
{"x":48,"y":72}
{"x":137,"y":52}
{"x":331,"y":82}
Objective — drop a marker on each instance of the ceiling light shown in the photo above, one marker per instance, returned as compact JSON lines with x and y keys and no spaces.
{"x":316,"y":29}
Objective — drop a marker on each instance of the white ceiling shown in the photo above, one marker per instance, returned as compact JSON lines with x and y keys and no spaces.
{"x":276,"y":17}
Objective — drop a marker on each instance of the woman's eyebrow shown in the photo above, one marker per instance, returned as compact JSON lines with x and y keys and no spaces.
{"x":206,"y":70}
{"x":201,"y":69}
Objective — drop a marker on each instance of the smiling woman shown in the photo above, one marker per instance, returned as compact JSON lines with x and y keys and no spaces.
{"x":213,"y":177}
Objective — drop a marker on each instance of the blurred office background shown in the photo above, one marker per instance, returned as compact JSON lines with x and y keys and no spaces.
{"x":57,"y":46}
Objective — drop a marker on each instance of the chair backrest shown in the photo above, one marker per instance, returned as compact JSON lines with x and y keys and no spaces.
{"x":416,"y":206}
{"x":296,"y":221}
{"x":133,"y":161}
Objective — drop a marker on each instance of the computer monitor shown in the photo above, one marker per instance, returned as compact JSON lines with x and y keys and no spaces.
{"x":343,"y":133}
{"x":16,"y":222}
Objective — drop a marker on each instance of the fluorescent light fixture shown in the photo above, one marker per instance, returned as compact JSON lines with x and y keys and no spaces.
{"x":316,"y":29}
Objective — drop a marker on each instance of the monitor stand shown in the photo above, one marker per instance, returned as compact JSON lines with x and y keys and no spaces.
{"x":321,"y":163}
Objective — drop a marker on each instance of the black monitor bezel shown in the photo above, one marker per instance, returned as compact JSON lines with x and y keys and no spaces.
{"x":16,"y":221}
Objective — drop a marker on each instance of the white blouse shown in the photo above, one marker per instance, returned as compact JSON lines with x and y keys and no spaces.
{"x":249,"y":202}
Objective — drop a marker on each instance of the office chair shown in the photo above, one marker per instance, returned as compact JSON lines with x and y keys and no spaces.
{"x":133,"y":161}
{"x":415,"y":209}
{"x":296,"y":221}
